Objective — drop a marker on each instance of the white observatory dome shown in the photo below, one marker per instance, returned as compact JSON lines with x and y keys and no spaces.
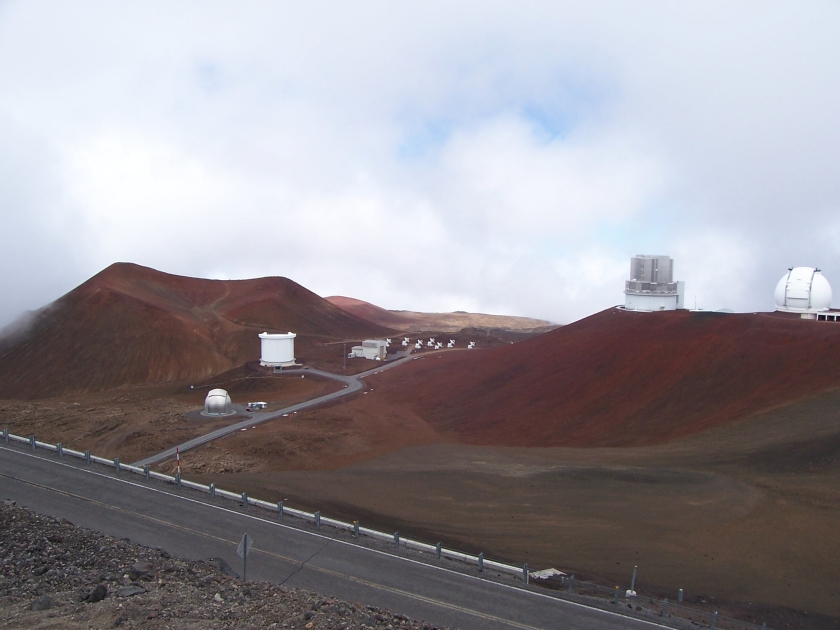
{"x":218,"y":403}
{"x":803,"y":290}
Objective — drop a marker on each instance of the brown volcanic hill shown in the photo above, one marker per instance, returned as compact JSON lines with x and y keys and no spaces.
{"x":412,"y":321}
{"x":620,"y":378}
{"x":132,"y":324}
{"x":370,"y":312}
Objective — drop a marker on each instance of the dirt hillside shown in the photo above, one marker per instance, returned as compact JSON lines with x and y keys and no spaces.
{"x":620,"y":378}
{"x":412,"y":321}
{"x":132,"y":324}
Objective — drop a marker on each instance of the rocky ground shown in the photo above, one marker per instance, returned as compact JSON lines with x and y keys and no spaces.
{"x":55,"y":575}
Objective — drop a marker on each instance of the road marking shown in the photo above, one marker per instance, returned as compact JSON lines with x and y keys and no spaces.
{"x":486,"y":581}
{"x":435,"y":602}
{"x":358,"y":580}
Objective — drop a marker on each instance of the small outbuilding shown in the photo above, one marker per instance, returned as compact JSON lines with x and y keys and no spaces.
{"x":218,"y":403}
{"x":374,"y":349}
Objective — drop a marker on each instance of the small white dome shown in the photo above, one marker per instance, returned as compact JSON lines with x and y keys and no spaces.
{"x":803,"y":290}
{"x":218,"y":403}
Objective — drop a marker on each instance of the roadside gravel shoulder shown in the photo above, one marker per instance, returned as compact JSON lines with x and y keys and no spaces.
{"x":56,"y":575}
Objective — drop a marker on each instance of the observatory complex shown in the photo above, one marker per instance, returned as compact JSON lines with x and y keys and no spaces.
{"x":651,"y":286}
{"x":805,"y":290}
{"x":277,"y":350}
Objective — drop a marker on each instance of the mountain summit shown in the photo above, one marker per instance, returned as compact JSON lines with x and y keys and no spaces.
{"x":132,"y":324}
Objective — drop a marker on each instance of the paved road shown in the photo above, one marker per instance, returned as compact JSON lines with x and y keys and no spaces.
{"x":352,"y":384}
{"x":191,"y":526}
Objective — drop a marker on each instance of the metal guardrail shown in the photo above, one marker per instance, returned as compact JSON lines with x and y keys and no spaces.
{"x":316,"y":518}
{"x":662,"y":608}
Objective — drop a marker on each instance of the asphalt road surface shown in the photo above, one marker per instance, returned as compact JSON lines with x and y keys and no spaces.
{"x":193,"y":526}
{"x":352,"y":383}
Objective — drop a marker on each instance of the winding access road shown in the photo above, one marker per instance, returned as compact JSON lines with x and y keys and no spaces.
{"x":194,"y":526}
{"x":352,"y":384}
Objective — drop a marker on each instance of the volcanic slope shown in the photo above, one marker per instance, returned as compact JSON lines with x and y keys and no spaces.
{"x":412,"y":321}
{"x":132,"y":324}
{"x":620,"y":378}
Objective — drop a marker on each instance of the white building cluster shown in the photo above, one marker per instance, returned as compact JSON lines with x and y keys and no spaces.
{"x":377,"y":349}
{"x":651,"y":287}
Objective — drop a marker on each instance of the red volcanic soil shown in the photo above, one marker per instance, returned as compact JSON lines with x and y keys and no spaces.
{"x":370,"y":312}
{"x":620,"y":378}
{"x":132,"y":324}
{"x":498,"y":326}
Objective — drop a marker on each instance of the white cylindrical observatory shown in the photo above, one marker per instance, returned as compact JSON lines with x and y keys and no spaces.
{"x":277,"y":350}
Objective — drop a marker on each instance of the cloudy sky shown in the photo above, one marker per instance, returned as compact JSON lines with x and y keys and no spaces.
{"x":504,"y":157}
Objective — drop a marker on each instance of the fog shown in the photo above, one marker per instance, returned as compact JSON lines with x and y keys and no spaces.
{"x":493,"y":157}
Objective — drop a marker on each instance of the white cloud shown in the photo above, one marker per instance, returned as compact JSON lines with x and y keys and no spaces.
{"x":721,"y":270}
{"x":495,"y":157}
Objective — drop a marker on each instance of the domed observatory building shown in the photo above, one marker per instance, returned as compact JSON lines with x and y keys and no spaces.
{"x":651,"y":286}
{"x":218,"y":403}
{"x":805,"y":290}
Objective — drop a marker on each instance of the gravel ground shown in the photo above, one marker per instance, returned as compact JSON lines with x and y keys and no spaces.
{"x":55,"y":575}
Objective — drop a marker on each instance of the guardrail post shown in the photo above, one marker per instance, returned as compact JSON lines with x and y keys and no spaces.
{"x":615,"y":596}
{"x":572,"y":584}
{"x":526,"y":574}
{"x":6,"y":436}
{"x":397,"y":539}
{"x":280,"y":508}
{"x":59,"y":449}
{"x":87,"y":457}
{"x":178,"y":480}
{"x":117,"y":464}
{"x":680,"y":596}
{"x":356,"y":529}
{"x":714,"y":620}
{"x":32,"y":442}
{"x":244,"y":500}
{"x":212,"y":490}
{"x":481,"y":562}
{"x":438,"y":547}
{"x":147,"y":472}
{"x":318,"y":519}
{"x":665,"y":608}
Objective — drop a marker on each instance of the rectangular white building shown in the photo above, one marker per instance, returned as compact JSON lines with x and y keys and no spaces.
{"x":370,"y":349}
